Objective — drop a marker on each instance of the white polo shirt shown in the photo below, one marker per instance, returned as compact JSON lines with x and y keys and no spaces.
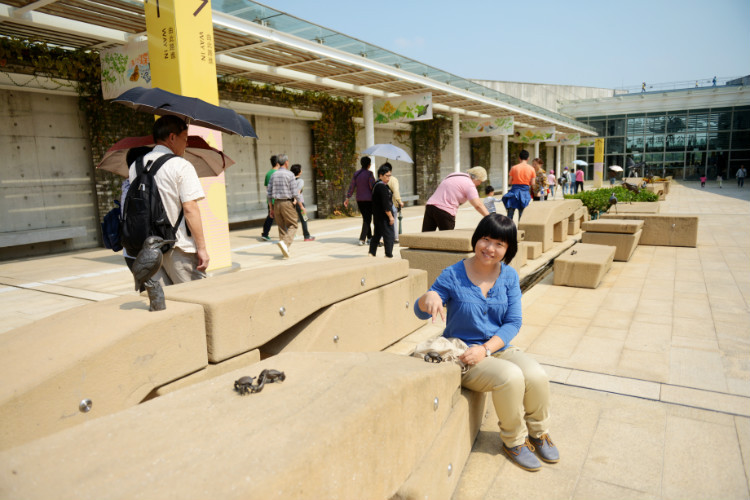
{"x":177,"y":182}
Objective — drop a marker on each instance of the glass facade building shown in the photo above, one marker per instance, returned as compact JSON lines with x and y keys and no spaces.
{"x":684,"y":144}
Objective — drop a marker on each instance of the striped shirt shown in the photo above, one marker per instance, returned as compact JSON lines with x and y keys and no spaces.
{"x":282,"y":185}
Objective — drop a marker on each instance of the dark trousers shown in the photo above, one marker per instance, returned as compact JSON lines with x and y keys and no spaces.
{"x":579,"y":185}
{"x":267,"y":223}
{"x":512,"y":212}
{"x":302,"y":221}
{"x":365,"y":208}
{"x":435,"y":218}
{"x":384,"y":230}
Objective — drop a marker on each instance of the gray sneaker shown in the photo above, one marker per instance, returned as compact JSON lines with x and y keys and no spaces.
{"x":523,"y":456}
{"x":546,"y":448}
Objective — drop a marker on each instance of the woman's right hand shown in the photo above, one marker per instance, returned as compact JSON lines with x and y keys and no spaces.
{"x":431,"y":303}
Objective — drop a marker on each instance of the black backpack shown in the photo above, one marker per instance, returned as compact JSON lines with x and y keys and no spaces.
{"x":143,"y":213}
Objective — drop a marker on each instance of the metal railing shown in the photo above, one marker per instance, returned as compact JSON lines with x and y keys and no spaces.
{"x":685,"y":84}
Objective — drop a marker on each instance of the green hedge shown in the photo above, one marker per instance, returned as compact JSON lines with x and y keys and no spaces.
{"x":597,"y":200}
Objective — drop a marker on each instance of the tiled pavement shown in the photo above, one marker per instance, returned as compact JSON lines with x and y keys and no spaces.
{"x":651,"y":370}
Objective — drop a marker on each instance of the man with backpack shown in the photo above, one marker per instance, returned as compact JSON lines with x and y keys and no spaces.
{"x":179,"y":190}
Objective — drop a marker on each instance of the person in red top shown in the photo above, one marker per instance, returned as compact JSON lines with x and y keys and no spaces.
{"x":522,"y":175}
{"x":579,"y":179}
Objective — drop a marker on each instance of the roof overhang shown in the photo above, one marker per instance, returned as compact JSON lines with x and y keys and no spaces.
{"x":253,"y":50}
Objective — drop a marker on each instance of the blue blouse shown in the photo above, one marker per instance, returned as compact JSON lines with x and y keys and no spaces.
{"x":472,"y":317}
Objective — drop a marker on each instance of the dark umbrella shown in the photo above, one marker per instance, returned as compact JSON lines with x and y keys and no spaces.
{"x":193,"y":110}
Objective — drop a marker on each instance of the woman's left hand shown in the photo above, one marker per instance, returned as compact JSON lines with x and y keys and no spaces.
{"x":473,"y":355}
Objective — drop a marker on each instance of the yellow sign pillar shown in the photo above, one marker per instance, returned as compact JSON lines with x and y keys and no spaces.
{"x":181,"y":53}
{"x":598,"y":162}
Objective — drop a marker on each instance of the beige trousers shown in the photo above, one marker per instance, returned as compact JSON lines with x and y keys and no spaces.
{"x":520,"y":393}
{"x":285,"y":216}
{"x":178,"y":267}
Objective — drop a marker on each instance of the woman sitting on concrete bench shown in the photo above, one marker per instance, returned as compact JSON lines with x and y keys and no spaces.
{"x":483,"y":298}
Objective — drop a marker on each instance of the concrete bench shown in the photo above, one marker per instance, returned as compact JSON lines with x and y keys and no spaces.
{"x":548,"y":221}
{"x":27,"y":237}
{"x":637,"y":207}
{"x":342,"y":327}
{"x":623,"y":234}
{"x":663,"y":229}
{"x":657,"y":188}
{"x":113,"y":352}
{"x":302,"y":438}
{"x":247,"y":309}
{"x":583,"y":265}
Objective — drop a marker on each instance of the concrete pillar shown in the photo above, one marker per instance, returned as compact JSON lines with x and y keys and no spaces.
{"x":369,"y":120}
{"x":505,"y":164}
{"x":496,"y":163}
{"x":558,"y":160}
{"x":186,"y":66}
{"x":456,"y":143}
{"x":536,"y":150}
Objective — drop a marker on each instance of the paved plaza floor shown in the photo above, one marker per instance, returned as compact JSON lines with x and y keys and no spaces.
{"x":650,"y":371}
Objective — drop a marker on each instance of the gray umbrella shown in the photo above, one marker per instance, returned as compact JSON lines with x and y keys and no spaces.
{"x":193,"y":110}
{"x":388,"y":151}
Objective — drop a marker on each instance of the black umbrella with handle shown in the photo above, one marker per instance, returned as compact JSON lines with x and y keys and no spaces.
{"x":191,"y":109}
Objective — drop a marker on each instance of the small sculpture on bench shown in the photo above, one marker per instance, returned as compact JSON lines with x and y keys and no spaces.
{"x":244,"y":385}
{"x":146,"y":265}
{"x":433,"y":357}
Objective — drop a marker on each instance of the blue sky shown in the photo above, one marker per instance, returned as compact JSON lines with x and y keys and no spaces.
{"x":589,"y":43}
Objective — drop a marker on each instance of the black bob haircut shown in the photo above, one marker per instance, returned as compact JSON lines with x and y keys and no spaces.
{"x":498,"y":227}
{"x":384,"y":169}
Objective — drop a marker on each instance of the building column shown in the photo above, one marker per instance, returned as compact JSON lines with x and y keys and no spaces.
{"x":456,"y":143}
{"x":558,"y":160}
{"x":505,"y":164}
{"x":536,"y":149}
{"x":369,"y":120}
{"x":181,"y":54}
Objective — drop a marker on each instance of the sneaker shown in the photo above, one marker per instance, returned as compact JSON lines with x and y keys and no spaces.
{"x":265,"y":238}
{"x":284,"y":249}
{"x":361,"y":243}
{"x":545,"y":448}
{"x":310,"y":238}
{"x":523,"y":456}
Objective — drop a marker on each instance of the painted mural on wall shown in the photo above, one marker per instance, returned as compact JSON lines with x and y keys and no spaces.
{"x":482,"y":127}
{"x":543,"y":134}
{"x":587,"y":142}
{"x":408,"y":108}
{"x":124,"y":68}
{"x":572,"y":139}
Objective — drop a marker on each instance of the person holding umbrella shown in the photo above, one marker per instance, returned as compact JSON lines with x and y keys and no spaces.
{"x":180,"y":189}
{"x":453,"y":191}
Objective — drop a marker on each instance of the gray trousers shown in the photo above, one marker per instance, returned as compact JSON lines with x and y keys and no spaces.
{"x":520,"y":393}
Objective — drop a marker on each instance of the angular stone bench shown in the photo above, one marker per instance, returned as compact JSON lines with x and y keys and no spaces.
{"x":29,"y":236}
{"x":370,"y":321}
{"x":623,"y":234}
{"x":548,"y":221}
{"x":247,"y":309}
{"x":663,"y":229}
{"x":638,"y":207}
{"x":583,"y":265}
{"x":342,"y":425}
{"x":532,"y":249}
{"x":113,"y":352}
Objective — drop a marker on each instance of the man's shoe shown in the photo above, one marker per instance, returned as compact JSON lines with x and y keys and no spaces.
{"x":546,"y":448}
{"x":523,"y":456}
{"x":284,"y":249}
{"x":361,"y":243}
{"x":265,"y":238}
{"x":310,"y":238}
